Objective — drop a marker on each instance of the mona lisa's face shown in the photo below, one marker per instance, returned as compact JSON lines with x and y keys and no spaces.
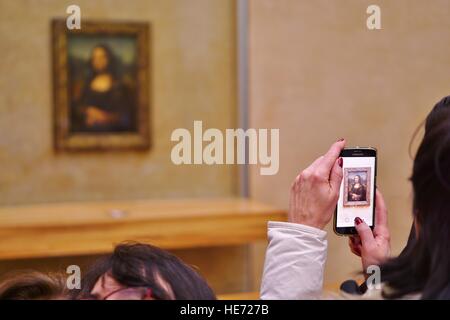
{"x":99,"y":59}
{"x":356,"y":179}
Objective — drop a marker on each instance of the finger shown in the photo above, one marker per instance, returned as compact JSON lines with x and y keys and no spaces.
{"x":352,"y":242}
{"x":329,"y":159}
{"x":355,"y":240}
{"x":364,"y":232}
{"x":380,"y":210}
{"x":355,"y":249}
{"x":336,"y":175}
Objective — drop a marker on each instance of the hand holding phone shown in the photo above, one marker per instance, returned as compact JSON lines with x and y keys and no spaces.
{"x":314,"y":192}
{"x":373,"y":246}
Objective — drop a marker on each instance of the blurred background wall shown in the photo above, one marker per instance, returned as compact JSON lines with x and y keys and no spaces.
{"x":192,"y":78}
{"x":318,"y":74}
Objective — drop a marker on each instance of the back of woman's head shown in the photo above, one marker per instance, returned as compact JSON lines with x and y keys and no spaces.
{"x":431,"y":175}
{"x":142,"y":265}
{"x":424,"y":266}
{"x":33,"y":285}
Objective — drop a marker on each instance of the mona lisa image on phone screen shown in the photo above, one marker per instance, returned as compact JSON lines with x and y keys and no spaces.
{"x":357,"y":192}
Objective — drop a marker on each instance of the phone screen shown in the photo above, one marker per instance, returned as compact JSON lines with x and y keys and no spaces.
{"x":357,"y":193}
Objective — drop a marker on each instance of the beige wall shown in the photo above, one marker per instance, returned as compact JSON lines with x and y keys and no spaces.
{"x":318,"y":74}
{"x":193,"y":77}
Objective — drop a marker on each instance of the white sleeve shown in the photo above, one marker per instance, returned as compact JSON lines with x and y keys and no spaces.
{"x":295,"y":262}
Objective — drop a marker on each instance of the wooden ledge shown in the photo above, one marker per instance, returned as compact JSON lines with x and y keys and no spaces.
{"x":66,"y":229}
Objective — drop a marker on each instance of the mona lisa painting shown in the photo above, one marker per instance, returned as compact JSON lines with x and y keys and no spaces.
{"x":357,"y":187}
{"x":101,"y":86}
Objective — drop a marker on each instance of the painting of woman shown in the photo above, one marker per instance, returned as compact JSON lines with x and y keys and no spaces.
{"x":357,"y":189}
{"x":106,"y":103}
{"x":101,"y":77}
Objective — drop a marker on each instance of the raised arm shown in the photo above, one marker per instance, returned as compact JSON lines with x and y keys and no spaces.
{"x":296,"y":254}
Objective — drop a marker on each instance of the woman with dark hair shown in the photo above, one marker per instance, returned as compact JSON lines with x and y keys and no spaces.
{"x":297,"y":249}
{"x":137,"y":271}
{"x":106,"y":103}
{"x":425,"y":264}
{"x":134,"y":271}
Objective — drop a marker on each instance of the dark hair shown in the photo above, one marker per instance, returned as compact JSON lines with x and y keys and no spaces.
{"x":33,"y":285}
{"x":143,"y":265}
{"x":424,"y":265}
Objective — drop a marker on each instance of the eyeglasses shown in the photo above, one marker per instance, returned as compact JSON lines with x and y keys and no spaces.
{"x":133,"y":293}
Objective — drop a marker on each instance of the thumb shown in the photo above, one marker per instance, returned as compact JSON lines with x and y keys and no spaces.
{"x":336,"y":175}
{"x":364,"y":232}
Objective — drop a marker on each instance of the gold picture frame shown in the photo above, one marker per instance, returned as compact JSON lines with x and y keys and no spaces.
{"x":101,"y":86}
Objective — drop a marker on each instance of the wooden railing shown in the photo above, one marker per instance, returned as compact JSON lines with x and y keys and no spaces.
{"x":67,"y":229}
